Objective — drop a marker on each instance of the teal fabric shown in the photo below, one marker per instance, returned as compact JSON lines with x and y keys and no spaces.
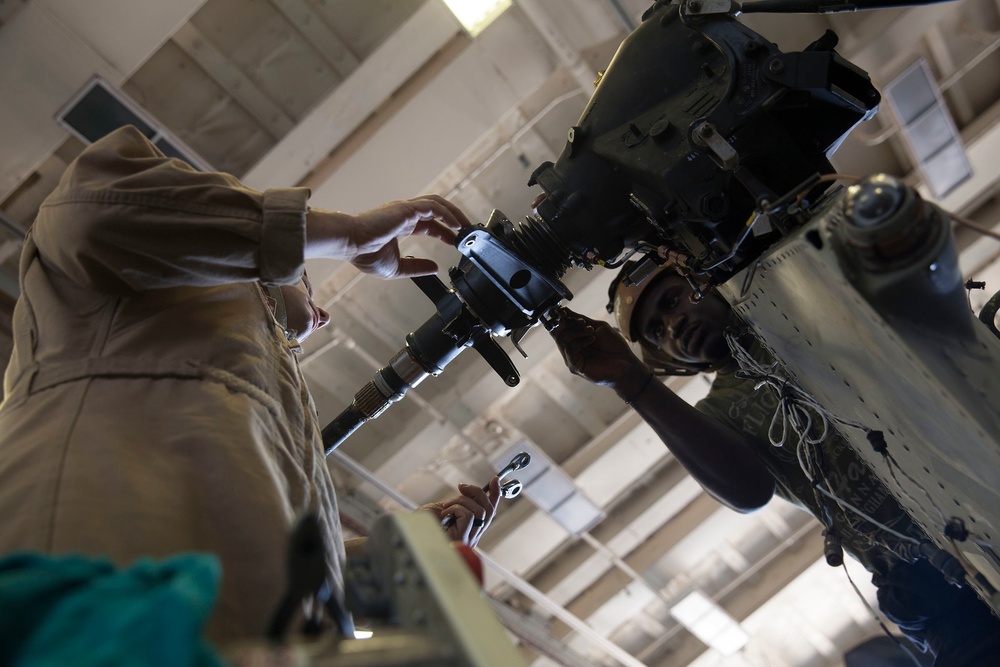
{"x":73,"y":610}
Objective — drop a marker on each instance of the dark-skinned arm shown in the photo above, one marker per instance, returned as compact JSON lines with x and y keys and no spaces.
{"x":717,"y":456}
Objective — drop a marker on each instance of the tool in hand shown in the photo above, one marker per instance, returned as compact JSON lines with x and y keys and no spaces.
{"x":509,"y":490}
{"x":516,"y":463}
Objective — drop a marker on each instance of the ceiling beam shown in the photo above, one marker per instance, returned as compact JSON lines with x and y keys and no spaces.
{"x":233,"y":80}
{"x":555,"y":386}
{"x":377,"y":118}
{"x":551,"y":31}
{"x":641,"y":558}
{"x":631,"y":501}
{"x":619,"y":518}
{"x":628,"y":448}
{"x":315,"y":31}
{"x":755,"y":588}
{"x":11,"y":226}
{"x":9,"y":284}
{"x":943,"y":62}
{"x":52,"y":49}
{"x":536,"y":636}
{"x":369,"y":86}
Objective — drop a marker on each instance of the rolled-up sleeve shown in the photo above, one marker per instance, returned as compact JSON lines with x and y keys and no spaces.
{"x":125,"y":218}
{"x":283,"y":234}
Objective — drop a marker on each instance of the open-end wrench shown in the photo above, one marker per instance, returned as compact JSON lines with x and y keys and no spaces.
{"x":509,"y":490}
{"x":516,"y":463}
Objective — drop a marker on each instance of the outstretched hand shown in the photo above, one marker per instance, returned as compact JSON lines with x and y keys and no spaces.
{"x":593,"y":350}
{"x":473,"y":509}
{"x":370,"y":240}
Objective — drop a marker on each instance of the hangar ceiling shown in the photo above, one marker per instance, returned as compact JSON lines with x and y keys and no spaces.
{"x":365,"y":101}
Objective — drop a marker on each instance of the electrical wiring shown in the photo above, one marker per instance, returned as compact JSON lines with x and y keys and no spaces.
{"x":970,"y":570}
{"x":843,"y":503}
{"x":751,"y":221}
{"x":615,"y":263}
{"x":799,"y":411}
{"x":825,"y":178}
{"x":796,"y":410}
{"x":893,"y":466}
{"x":796,"y":195}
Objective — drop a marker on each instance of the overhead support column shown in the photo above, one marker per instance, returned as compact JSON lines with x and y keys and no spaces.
{"x":9,"y":285}
{"x":560,"y":45}
{"x":639,"y":559}
{"x":333,"y":49}
{"x":51,"y":48}
{"x":8,"y":282}
{"x":233,"y":80}
{"x":944,"y":63}
{"x":754,"y":589}
{"x":374,"y":81}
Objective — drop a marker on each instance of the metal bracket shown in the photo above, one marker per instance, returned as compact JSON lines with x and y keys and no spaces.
{"x":705,"y":135}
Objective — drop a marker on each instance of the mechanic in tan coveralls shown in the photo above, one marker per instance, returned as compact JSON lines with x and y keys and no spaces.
{"x":153,"y":403}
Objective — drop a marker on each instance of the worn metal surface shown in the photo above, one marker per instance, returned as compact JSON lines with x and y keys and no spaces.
{"x":935,"y":397}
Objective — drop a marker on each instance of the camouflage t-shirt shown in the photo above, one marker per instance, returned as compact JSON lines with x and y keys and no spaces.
{"x":735,"y":402}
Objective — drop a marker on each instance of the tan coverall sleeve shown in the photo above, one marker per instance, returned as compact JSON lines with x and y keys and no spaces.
{"x":124,"y":218}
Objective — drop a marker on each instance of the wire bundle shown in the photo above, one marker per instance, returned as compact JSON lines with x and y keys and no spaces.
{"x":800,"y":413}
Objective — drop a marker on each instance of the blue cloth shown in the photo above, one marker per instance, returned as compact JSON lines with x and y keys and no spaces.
{"x":74,"y":610}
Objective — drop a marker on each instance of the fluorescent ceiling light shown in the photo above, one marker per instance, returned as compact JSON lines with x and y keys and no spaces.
{"x":475,"y":15}
{"x":709,"y":623}
{"x":928,"y":129}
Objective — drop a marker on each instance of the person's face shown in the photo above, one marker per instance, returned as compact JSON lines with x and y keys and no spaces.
{"x":689,"y":332}
{"x":301,"y":312}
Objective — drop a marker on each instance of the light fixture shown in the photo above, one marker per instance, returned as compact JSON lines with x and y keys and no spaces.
{"x":475,"y":15}
{"x":100,"y":108}
{"x":710,"y":623}
{"x":928,"y":129}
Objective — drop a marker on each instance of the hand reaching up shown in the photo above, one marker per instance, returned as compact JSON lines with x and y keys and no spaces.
{"x":370,"y":240}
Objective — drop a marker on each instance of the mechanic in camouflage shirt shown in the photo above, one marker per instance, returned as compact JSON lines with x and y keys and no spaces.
{"x":725,"y":443}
